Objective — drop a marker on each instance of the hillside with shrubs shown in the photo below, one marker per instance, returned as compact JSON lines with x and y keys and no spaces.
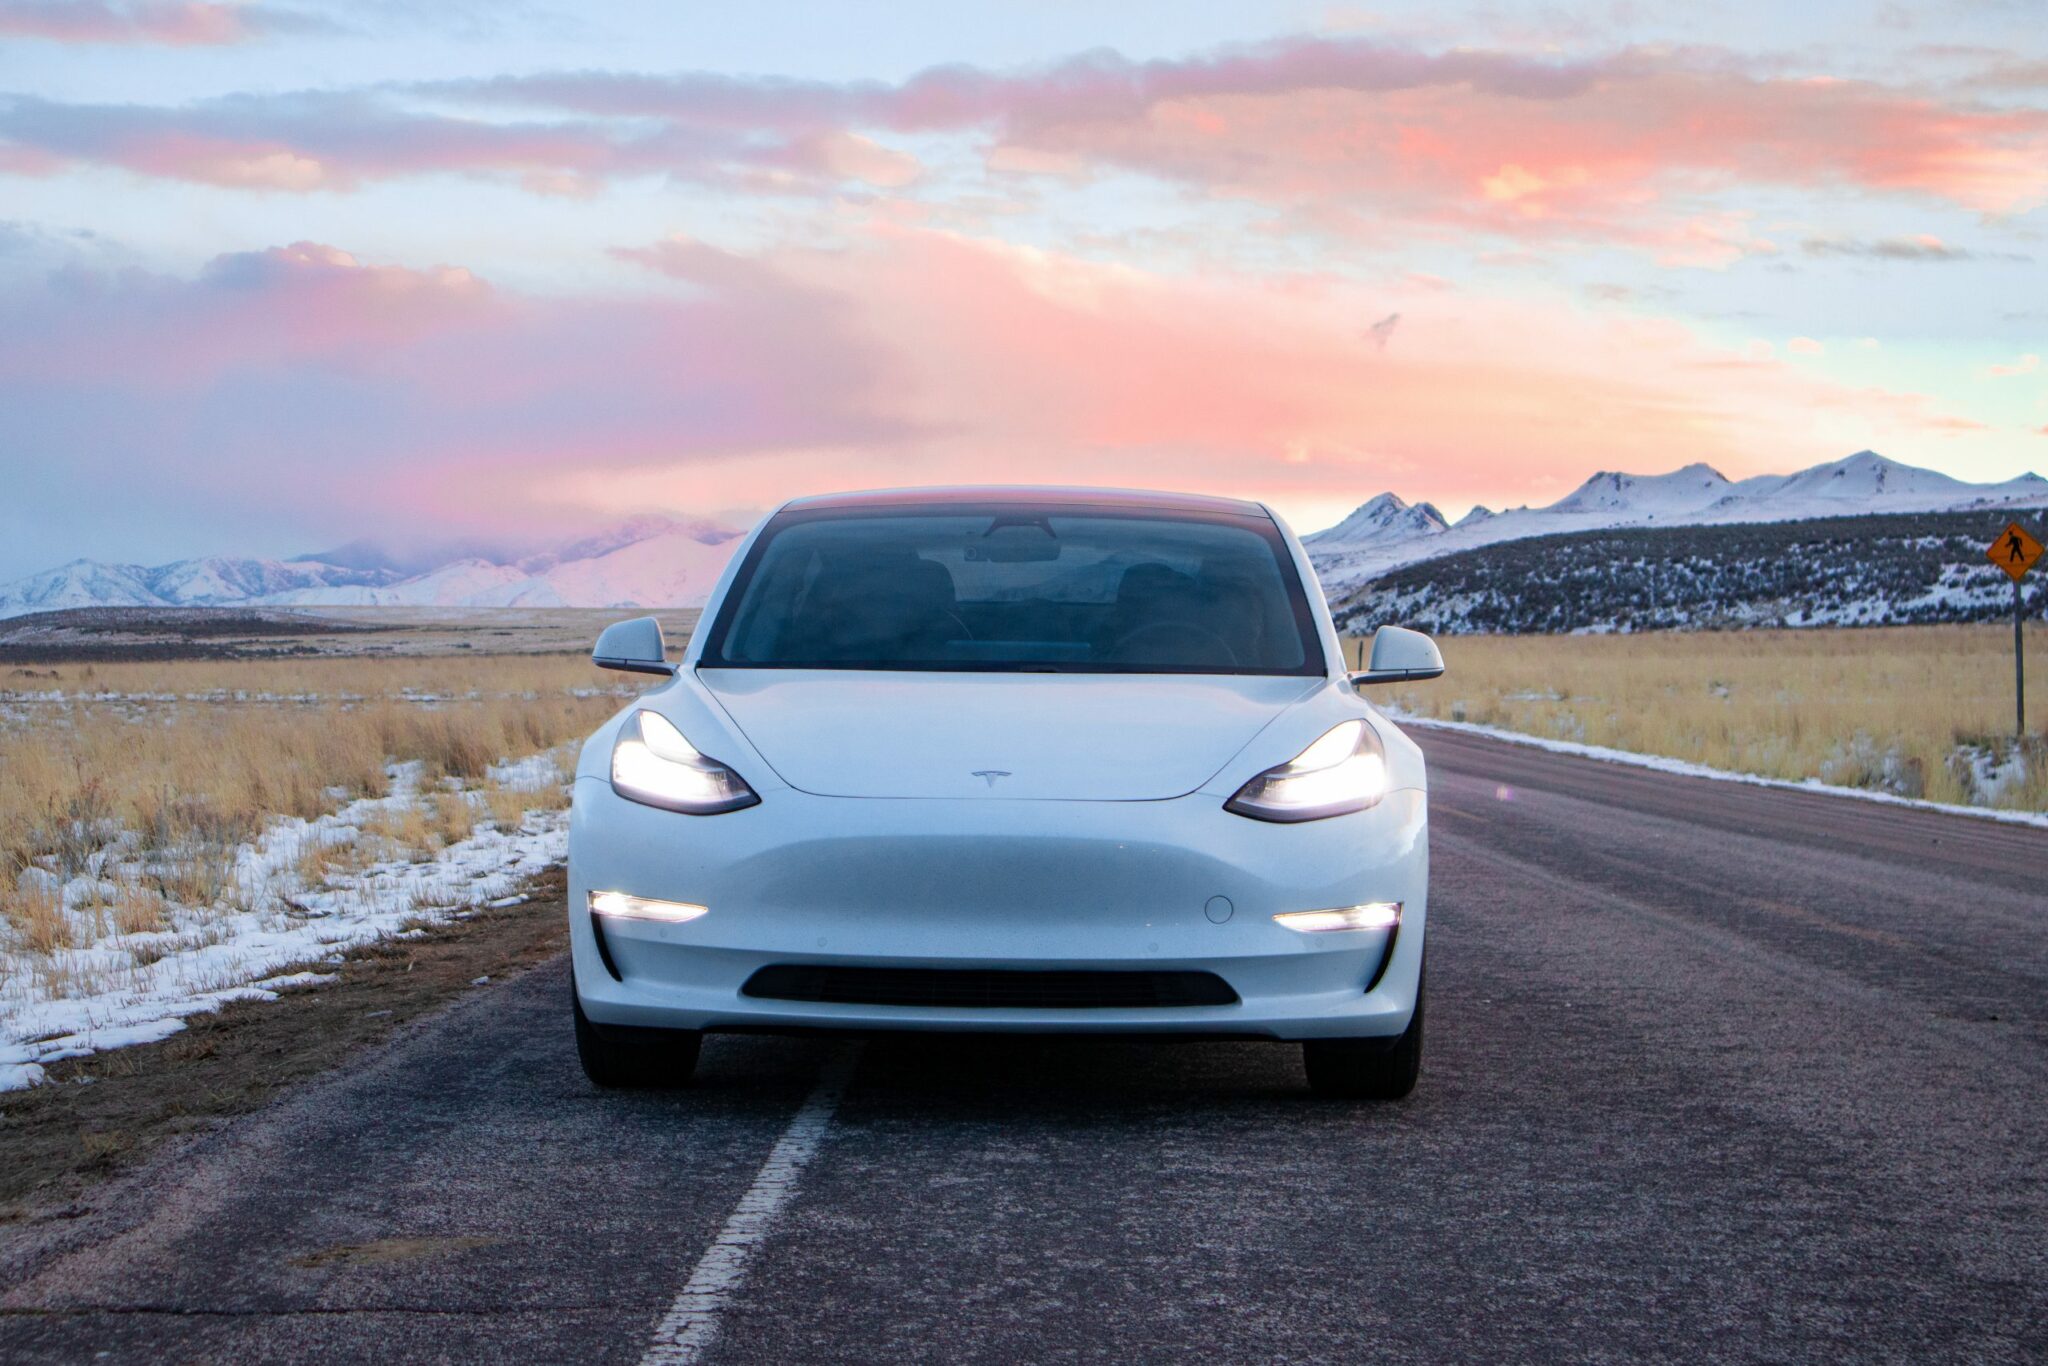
{"x":1867,"y":570}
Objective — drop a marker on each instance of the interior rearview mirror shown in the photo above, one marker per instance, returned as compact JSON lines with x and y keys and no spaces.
{"x":1400,"y":655}
{"x":1014,"y":543}
{"x":634,"y":646}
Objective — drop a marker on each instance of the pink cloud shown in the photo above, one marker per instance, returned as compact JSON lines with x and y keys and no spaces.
{"x":172,"y":23}
{"x":301,"y":305}
{"x":1026,"y":365}
{"x":1495,"y":137}
{"x":1338,"y":135}
{"x":1611,"y":157}
{"x":315,"y":142}
{"x":307,"y":383}
{"x":339,"y":141}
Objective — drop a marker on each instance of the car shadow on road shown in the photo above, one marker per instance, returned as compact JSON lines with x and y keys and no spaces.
{"x":984,"y":1073}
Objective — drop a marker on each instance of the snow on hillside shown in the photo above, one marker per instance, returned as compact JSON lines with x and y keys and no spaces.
{"x":647,"y":562}
{"x":82,"y":583}
{"x":1647,"y":495}
{"x":1695,"y":495}
{"x":1867,"y":482}
{"x":1859,"y":570}
{"x":674,"y":569}
{"x":222,"y":579}
{"x":461,"y":583}
{"x":1385,"y":518}
{"x":207,"y":582}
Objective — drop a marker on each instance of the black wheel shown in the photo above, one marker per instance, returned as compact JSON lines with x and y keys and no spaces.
{"x":1368,"y":1069}
{"x":617,"y":1055}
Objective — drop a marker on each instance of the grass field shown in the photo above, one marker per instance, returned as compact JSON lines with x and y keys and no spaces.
{"x":1923,"y":711}
{"x":198,"y":756}
{"x":172,"y":832}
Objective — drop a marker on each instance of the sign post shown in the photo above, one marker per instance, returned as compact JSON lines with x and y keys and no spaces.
{"x":2015,"y":551}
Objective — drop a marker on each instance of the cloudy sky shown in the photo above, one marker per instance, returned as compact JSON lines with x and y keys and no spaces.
{"x":276,"y":276}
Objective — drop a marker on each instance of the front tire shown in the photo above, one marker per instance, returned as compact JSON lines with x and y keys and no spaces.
{"x":1368,"y":1069}
{"x":615,"y":1056}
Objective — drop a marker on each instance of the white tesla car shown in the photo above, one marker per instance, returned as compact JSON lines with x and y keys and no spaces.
{"x":1048,"y":760}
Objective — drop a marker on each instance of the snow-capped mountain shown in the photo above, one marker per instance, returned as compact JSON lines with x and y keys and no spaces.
{"x":1866,"y":481}
{"x":649,"y":561}
{"x":1383,"y":519}
{"x":1695,"y":495}
{"x":214,"y":579}
{"x":1647,"y":495}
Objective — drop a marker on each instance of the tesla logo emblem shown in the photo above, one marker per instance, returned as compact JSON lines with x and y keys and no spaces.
{"x":989,"y":775}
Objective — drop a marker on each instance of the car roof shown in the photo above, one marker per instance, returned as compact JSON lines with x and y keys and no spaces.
{"x":1069,"y":494}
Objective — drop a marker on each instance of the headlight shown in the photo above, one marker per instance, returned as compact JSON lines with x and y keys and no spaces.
{"x":626,"y":906}
{"x":1372,"y":915}
{"x":654,"y":764}
{"x":1346,"y":770}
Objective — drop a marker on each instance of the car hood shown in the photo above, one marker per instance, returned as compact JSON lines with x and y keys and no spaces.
{"x":1092,"y":737}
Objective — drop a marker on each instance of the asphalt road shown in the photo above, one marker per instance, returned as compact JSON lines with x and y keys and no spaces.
{"x":1714,"y":1071}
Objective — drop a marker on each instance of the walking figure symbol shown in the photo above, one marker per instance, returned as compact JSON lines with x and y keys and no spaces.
{"x":2013,"y":551}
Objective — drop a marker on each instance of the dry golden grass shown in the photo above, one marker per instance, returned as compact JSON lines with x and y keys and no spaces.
{"x":1896,"y":708}
{"x":508,"y":806}
{"x":193,"y":876}
{"x":451,"y":817}
{"x":328,"y":678}
{"x":197,"y":757}
{"x":401,"y":830}
{"x":139,"y":910}
{"x":36,"y":918}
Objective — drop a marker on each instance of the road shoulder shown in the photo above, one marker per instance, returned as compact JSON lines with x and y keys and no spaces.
{"x":102,"y":1115}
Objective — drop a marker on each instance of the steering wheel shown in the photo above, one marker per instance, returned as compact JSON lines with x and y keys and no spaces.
{"x":1180,"y":630}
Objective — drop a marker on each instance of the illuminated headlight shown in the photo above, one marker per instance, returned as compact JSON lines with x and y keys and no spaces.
{"x":654,"y":764}
{"x":620,"y":906}
{"x":1373,"y":915}
{"x":1345,"y":770}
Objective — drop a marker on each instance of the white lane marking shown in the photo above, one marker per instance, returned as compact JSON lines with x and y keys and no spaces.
{"x":690,"y":1325}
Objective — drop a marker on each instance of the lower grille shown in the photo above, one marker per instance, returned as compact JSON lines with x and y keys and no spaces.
{"x":988,"y":988}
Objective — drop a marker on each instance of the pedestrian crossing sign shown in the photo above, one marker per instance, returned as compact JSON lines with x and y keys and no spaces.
{"x":2014,"y":551}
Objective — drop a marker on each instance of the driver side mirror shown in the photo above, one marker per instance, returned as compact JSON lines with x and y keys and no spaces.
{"x":1400,"y":655}
{"x":635,"y":647}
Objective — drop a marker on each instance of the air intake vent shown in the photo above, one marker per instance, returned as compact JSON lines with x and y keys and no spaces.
{"x":989,"y":989}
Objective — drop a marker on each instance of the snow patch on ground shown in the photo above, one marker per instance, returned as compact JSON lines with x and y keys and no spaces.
{"x":531,"y":774}
{"x":123,"y":989}
{"x":2039,"y":820}
{"x":1992,"y":771}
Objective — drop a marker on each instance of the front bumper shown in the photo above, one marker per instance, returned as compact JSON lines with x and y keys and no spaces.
{"x":1063,"y":885}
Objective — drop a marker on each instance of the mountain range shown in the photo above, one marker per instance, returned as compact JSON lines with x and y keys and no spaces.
{"x":648,"y":561}
{"x":1387,"y":533}
{"x":661,"y":561}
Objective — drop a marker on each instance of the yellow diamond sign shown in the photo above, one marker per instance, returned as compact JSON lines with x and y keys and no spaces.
{"x":2014,"y":551}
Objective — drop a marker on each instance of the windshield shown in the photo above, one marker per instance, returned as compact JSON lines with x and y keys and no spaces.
{"x":1015,"y":587}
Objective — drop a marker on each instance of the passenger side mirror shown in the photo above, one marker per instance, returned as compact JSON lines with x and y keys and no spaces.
{"x":1400,"y":655}
{"x":636,"y":647}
